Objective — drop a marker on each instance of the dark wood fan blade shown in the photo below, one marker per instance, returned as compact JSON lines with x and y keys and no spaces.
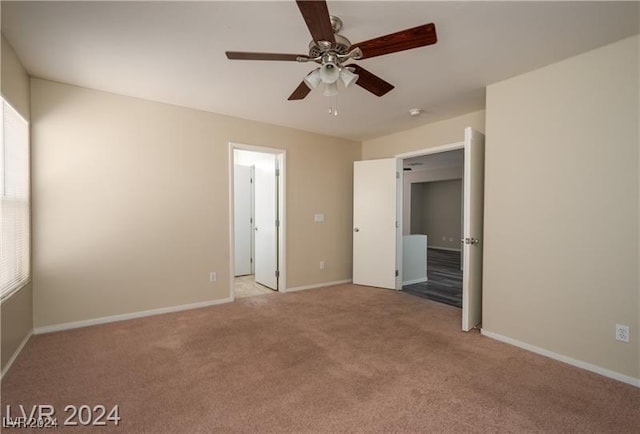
{"x":371,"y":82}
{"x":404,"y":40}
{"x":301,"y":91}
{"x":244,"y":55}
{"x":316,"y":15}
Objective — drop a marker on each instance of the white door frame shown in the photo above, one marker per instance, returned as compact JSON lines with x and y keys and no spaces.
{"x":420,"y":153}
{"x":281,"y":159}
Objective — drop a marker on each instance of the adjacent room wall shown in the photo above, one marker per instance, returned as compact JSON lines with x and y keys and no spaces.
{"x":561,"y":263}
{"x":426,"y":136}
{"x":131,"y":203}
{"x":436,"y":211}
{"x":16,"y":312}
{"x":414,"y":176}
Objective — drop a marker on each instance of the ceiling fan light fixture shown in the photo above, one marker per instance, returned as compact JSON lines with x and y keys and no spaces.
{"x":313,"y":79}
{"x":330,"y":89}
{"x":329,"y":73}
{"x":348,"y":77}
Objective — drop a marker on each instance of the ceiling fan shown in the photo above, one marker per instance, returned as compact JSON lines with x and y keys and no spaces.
{"x":332,"y":51}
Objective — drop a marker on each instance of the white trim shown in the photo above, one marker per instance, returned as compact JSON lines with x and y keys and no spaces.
{"x":411,"y":282}
{"x":127,"y":316}
{"x":565,"y":359}
{"x":318,"y":285}
{"x":444,"y":248}
{"x":16,"y":353}
{"x":232,"y":247}
{"x":282,"y":215}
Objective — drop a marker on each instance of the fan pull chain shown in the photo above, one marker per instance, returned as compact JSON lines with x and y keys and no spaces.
{"x":333,"y":105}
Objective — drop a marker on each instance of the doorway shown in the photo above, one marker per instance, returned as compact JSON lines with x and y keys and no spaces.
{"x":379,"y":219}
{"x":432,"y":209}
{"x":257,"y":220}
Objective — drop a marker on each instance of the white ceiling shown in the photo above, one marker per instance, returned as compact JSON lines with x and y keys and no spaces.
{"x":173,"y":52}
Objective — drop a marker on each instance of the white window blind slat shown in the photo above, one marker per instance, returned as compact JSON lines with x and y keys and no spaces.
{"x":14,"y":210}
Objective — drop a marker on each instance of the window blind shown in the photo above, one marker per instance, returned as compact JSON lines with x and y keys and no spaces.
{"x":14,"y":186}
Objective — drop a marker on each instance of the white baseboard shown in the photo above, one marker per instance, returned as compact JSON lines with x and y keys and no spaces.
{"x":16,"y":353}
{"x":444,"y":248}
{"x":411,"y":282}
{"x":565,"y":359}
{"x":318,"y":285}
{"x":126,"y":316}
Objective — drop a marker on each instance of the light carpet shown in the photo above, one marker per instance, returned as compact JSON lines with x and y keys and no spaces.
{"x":339,"y":359}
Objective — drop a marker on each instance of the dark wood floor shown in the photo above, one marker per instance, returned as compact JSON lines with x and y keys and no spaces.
{"x":445,"y":278}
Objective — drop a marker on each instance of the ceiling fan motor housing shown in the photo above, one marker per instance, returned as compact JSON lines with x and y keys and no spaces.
{"x":341,"y":47}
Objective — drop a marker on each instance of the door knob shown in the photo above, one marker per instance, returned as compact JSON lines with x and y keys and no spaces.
{"x":256,"y":228}
{"x":356,"y":230}
{"x":470,"y":240}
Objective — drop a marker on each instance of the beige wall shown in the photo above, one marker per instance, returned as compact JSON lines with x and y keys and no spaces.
{"x":561,"y":208}
{"x":15,"y":81}
{"x":16,"y":312}
{"x":436,"y":211}
{"x":16,"y":322}
{"x":131,"y":203}
{"x":427,"y":136}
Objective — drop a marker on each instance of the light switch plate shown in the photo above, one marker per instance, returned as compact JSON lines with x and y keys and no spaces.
{"x":318,"y":218}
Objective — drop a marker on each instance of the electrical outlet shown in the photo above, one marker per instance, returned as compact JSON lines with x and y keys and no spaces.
{"x":322,"y":265}
{"x":622,"y":333}
{"x":212,"y":276}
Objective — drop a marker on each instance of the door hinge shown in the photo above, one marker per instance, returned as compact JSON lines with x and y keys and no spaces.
{"x":397,"y":175}
{"x":277,"y":172}
{"x":277,"y":273}
{"x":251,"y":180}
{"x":277,"y":223}
{"x":251,"y":220}
{"x":397,"y":273}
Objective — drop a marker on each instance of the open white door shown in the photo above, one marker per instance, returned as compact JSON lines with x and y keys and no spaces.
{"x":375,"y":224}
{"x":242,"y":215}
{"x":473,"y":228}
{"x":265,"y":230}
